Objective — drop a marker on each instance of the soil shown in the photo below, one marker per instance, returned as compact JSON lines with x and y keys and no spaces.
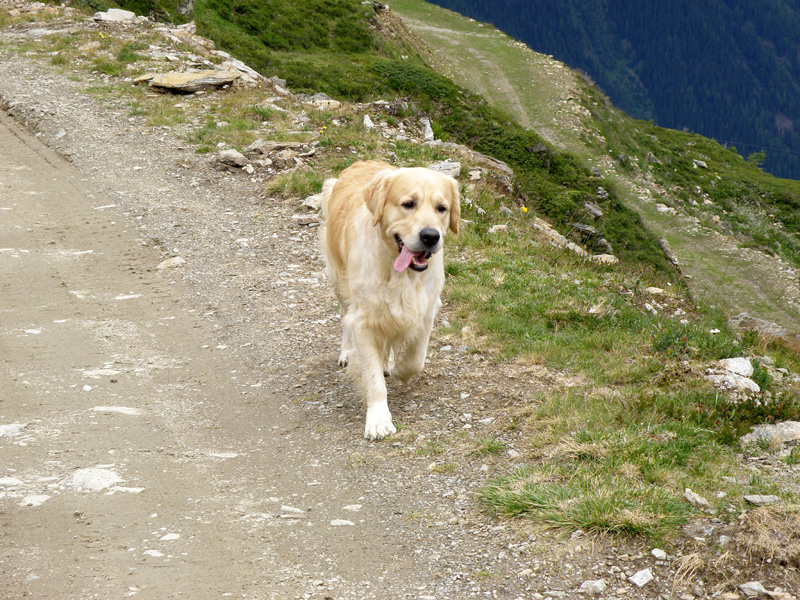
{"x":184,"y":431}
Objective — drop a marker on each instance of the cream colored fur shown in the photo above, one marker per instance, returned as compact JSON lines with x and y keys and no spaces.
{"x":387,"y":316}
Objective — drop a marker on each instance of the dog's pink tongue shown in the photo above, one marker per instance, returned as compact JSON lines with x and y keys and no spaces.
{"x":402,"y":261}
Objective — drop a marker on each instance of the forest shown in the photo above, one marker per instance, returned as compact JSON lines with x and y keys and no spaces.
{"x":726,"y":69}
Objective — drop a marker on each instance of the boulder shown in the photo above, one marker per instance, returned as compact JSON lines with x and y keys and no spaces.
{"x":193,"y":81}
{"x":114,"y":15}
{"x":780,"y":433}
{"x":447,"y":167}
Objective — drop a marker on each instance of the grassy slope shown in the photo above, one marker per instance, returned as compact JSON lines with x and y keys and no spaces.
{"x":552,"y":100}
{"x":614,"y":451}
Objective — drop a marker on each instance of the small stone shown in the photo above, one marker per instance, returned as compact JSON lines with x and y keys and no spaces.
{"x":498,"y":229}
{"x":169,"y":537}
{"x":695,"y":499}
{"x":153,"y":553}
{"x":753,"y":589}
{"x":513,"y":454}
{"x":341,"y":523}
{"x":659,"y":554}
{"x":313,"y":202}
{"x":91,"y":479}
{"x":233,"y":158}
{"x":10,"y":482}
{"x":594,"y":586}
{"x":428,"y":134}
{"x":368,"y":122}
{"x":759,"y":500}
{"x":641,"y":578}
{"x":292,"y":510}
{"x":171,"y":263}
{"x":34,"y":500}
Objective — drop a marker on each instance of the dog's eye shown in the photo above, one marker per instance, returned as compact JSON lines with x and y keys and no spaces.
{"x":409,"y":204}
{"x":441,"y":208}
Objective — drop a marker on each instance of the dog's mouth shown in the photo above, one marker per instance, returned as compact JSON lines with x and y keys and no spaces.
{"x":416,"y":261}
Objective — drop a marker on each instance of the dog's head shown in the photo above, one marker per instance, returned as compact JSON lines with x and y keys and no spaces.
{"x":414,"y":209}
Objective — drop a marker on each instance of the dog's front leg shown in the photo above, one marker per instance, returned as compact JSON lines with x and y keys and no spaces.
{"x":369,"y":355}
{"x":412,"y":359}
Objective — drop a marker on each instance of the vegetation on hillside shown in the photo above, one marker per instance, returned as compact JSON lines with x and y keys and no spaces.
{"x":728,"y":70}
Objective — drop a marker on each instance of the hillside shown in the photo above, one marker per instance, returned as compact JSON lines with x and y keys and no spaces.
{"x":580,"y":422}
{"x":733,"y":228}
{"x":726,"y":70}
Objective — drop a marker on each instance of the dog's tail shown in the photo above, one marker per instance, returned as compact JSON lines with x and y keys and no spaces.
{"x":327,"y":188}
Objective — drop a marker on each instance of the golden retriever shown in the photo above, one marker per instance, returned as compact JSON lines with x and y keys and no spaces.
{"x":382,"y":242}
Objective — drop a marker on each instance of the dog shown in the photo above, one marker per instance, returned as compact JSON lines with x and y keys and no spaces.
{"x":382,"y":242}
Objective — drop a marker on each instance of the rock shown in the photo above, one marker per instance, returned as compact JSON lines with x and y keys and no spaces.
{"x":585,"y":231}
{"x":788,"y":431}
{"x":604,"y":259}
{"x":753,"y":589}
{"x":231,"y":64}
{"x":428,"y":130}
{"x":733,"y":382}
{"x":594,"y":586}
{"x":659,"y":554}
{"x":319,"y":101}
{"x":194,"y":81}
{"x":695,"y":499}
{"x":593,"y":210}
{"x":12,"y":429}
{"x":114,"y":15}
{"x":313,"y":202}
{"x":654,"y":291}
{"x":91,"y":479}
{"x":699,"y":163}
{"x":739,"y":366}
{"x":342,"y":523}
{"x":498,"y":229}
{"x":169,"y":537}
{"x":170,"y":263}
{"x":35,"y":500}
{"x":233,"y":158}
{"x":759,"y":500}
{"x":10,"y":482}
{"x":641,"y":578}
{"x":306,"y":219}
{"x":447,"y":167}
{"x":143,"y":78}
{"x":368,"y":122}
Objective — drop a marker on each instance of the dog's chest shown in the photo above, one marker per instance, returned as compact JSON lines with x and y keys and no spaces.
{"x":404,"y":304}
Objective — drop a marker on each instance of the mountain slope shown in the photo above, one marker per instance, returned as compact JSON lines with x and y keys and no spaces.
{"x":725,"y":69}
{"x":727,"y":223}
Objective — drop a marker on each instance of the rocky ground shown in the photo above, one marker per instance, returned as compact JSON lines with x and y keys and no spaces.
{"x":180,"y":428}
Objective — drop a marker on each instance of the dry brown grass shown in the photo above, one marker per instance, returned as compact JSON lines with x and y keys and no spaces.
{"x":772,"y":533}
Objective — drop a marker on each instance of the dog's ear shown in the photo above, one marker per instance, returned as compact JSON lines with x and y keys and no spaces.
{"x":455,"y":206}
{"x":376,"y":192}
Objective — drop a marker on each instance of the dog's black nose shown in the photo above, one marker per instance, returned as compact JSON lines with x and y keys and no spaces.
{"x":429,"y":236}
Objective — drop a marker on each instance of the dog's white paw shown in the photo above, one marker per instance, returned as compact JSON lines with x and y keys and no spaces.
{"x":344,"y":358}
{"x":379,"y":424}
